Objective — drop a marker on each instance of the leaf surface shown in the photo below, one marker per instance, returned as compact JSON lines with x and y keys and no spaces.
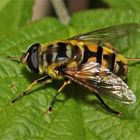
{"x":124,"y":5}
{"x":76,"y":114}
{"x":14,"y":14}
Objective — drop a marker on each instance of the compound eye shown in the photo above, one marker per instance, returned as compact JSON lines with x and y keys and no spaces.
{"x":33,"y":48}
{"x":32,"y":60}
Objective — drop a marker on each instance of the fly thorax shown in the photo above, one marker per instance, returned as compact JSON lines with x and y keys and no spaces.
{"x":58,"y":54}
{"x":54,"y":53}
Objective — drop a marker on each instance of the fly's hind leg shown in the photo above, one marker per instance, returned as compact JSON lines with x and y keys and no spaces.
{"x":66,"y":82}
{"x":106,"y":106}
{"x":46,"y":79}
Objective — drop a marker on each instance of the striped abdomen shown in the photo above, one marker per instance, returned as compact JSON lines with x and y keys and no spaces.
{"x":107,"y":57}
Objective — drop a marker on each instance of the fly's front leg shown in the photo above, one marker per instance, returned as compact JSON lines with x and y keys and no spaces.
{"x":66,"y":82}
{"x":46,"y":79}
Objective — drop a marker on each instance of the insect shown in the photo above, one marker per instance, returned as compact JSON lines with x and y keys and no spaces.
{"x":88,"y":59}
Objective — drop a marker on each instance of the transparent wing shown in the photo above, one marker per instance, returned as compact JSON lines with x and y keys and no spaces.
{"x":99,"y":79}
{"x":108,"y":34}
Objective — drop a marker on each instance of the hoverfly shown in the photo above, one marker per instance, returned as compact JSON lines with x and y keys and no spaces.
{"x":88,"y":59}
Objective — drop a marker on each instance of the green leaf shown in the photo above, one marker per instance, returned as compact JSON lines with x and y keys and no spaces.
{"x":14,"y":14}
{"x":124,"y":5}
{"x":76,"y":114}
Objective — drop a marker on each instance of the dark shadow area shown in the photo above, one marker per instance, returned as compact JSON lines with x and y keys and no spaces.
{"x":95,"y":4}
{"x":73,"y":90}
{"x":81,"y":94}
{"x":31,"y":77}
{"x":72,"y":6}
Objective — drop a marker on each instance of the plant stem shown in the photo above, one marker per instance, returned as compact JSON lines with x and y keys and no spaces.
{"x":61,"y":11}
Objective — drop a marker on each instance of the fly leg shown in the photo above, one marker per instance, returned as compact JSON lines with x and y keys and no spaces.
{"x":106,"y":106}
{"x":46,"y":79}
{"x":66,"y":82}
